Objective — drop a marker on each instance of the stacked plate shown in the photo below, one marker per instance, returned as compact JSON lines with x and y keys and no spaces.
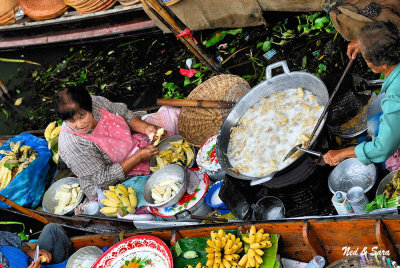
{"x":43,"y":9}
{"x":128,"y":2}
{"x":89,"y":6}
{"x":8,"y":8}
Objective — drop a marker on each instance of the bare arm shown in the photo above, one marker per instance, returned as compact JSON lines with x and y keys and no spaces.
{"x":141,"y":155}
{"x":334,"y":157}
{"x":140,"y":126}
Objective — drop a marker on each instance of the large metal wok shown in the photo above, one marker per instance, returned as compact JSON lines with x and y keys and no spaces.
{"x":271,"y":85}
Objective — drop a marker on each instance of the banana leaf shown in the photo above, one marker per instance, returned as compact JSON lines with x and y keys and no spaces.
{"x":270,"y":253}
{"x":197,"y":244}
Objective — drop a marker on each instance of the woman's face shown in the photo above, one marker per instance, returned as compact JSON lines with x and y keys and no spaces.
{"x":82,"y":121}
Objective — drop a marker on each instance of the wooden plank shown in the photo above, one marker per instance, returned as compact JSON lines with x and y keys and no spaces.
{"x":77,"y":34}
{"x":385,"y":240}
{"x":70,"y":17}
{"x":312,"y":241}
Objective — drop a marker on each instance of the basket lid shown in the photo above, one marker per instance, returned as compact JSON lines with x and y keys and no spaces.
{"x":196,"y":125}
{"x":43,"y":9}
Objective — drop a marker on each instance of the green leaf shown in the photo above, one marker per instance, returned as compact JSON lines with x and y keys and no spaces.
{"x":266,"y":46}
{"x":217,"y":37}
{"x":322,"y":67}
{"x":259,"y":44}
{"x":178,"y":249}
{"x":186,"y":82}
{"x":233,"y":49}
{"x":322,"y":20}
{"x":304,"y":62}
{"x":235,"y":31}
{"x":314,"y":16}
{"x":5,"y":112}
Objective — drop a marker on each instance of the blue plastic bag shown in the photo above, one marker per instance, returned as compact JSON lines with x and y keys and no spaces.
{"x":27,"y":188}
{"x":373,"y":123}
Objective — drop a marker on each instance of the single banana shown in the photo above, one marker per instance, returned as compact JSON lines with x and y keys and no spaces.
{"x":108,"y":210}
{"x":49,"y":129}
{"x":121,"y":189}
{"x":55,"y":132}
{"x":110,"y":203}
{"x":125,"y":200}
{"x":112,"y":195}
{"x":132,"y":197}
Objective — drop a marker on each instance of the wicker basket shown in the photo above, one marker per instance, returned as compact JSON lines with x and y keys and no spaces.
{"x":128,"y":2}
{"x":43,"y":9}
{"x":170,"y":2}
{"x":196,"y":125}
{"x":89,"y":6}
{"x":8,"y":8}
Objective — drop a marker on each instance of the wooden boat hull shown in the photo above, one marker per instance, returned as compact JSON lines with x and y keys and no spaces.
{"x":333,"y":238}
{"x":84,"y":223}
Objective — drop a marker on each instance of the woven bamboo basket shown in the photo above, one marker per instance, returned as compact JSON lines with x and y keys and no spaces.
{"x":196,"y":125}
{"x":170,"y":2}
{"x":43,"y":9}
{"x":89,"y":6}
{"x":128,"y":2}
{"x":8,"y":8}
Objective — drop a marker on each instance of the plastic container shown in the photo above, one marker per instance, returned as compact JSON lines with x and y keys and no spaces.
{"x":358,"y":199}
{"x":92,"y":208}
{"x":316,"y":262}
{"x":341,"y":203}
{"x":213,"y":199}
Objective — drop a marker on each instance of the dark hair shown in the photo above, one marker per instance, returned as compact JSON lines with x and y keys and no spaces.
{"x":381,"y":41}
{"x":70,"y":100}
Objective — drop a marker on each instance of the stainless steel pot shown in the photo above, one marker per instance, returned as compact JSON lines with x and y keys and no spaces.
{"x":270,"y":86}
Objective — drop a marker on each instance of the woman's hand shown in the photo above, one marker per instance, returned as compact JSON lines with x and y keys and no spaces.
{"x":34,"y":264}
{"x":146,"y":153}
{"x":150,"y":129}
{"x":353,"y":49}
{"x":46,"y":254}
{"x":334,"y":157}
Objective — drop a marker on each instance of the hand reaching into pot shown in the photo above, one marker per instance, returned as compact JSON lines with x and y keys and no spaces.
{"x":334,"y":157}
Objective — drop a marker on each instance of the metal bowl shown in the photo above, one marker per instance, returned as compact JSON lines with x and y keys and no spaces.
{"x":164,"y":145}
{"x":84,"y":257}
{"x":268,"y":208}
{"x":351,"y":172}
{"x":175,"y":172}
{"x":384,"y":182}
{"x":49,"y":203}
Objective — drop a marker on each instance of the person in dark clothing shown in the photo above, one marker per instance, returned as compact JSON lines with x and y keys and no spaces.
{"x":54,"y":246}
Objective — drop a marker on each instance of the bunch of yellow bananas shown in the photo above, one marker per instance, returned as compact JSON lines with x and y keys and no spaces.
{"x":257,"y":241}
{"x":180,"y":153}
{"x":15,"y":161}
{"x":51,"y":134}
{"x":120,"y":200}
{"x":223,"y":250}
{"x":197,"y":266}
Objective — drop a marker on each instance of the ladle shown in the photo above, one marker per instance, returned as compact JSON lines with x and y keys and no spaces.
{"x":321,"y":118}
{"x":298,"y":147}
